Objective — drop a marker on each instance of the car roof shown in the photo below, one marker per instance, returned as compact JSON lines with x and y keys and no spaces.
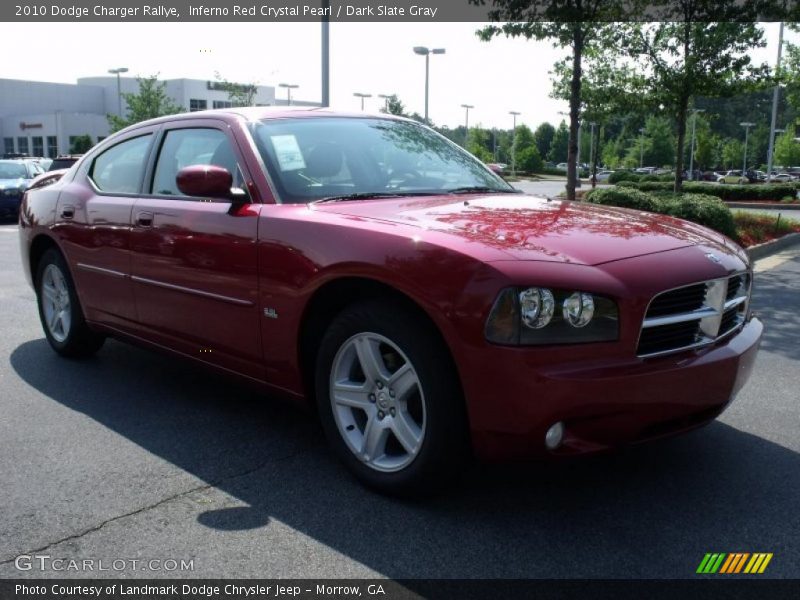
{"x":260,"y":113}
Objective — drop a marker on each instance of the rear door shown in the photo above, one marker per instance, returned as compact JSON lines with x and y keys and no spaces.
{"x":194,"y":259}
{"x":93,"y":222}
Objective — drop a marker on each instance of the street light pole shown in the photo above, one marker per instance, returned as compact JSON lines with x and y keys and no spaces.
{"x":466,"y":108}
{"x":514,"y":113}
{"x":775,"y":95}
{"x":289,"y":87}
{"x":117,"y":72}
{"x":385,"y":101}
{"x":691,"y":149}
{"x":426,"y":52}
{"x":641,"y":147}
{"x":591,"y":155}
{"x":362,"y":96}
{"x":747,"y":125}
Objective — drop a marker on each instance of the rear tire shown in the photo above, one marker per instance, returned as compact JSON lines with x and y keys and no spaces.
{"x":60,"y":311}
{"x":390,"y":401}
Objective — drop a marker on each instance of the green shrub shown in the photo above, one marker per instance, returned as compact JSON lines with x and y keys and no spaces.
{"x":773,"y":192}
{"x":618,"y":176}
{"x":702,"y":209}
{"x":624,"y":197}
{"x":528,"y":159}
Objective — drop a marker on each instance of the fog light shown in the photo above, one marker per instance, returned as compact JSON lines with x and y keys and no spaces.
{"x":554,"y":436}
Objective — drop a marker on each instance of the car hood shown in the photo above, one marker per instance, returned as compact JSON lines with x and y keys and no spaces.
{"x":12,"y":183}
{"x":532,"y":228}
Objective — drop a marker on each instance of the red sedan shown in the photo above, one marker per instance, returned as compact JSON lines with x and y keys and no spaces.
{"x":369,"y":267}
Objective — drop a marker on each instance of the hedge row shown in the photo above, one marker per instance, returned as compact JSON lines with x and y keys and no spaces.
{"x":774,"y":192}
{"x":699,"y":208}
{"x":619,"y":176}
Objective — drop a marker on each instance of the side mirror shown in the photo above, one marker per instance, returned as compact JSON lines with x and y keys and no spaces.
{"x":205,"y":180}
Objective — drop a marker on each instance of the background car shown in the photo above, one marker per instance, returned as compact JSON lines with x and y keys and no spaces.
{"x":603,"y":175}
{"x":63,"y":161}
{"x":732,"y":177}
{"x":784,"y":177}
{"x":15,"y":176}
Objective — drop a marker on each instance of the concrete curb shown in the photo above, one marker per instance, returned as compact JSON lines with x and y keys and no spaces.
{"x":764,"y":205}
{"x":773,"y":247}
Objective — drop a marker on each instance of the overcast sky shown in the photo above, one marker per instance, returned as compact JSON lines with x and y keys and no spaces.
{"x":377,"y":58}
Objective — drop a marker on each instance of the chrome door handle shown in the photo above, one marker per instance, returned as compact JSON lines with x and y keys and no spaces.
{"x":144,"y":219}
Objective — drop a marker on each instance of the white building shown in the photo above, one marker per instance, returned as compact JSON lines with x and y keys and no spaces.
{"x":42,"y":119}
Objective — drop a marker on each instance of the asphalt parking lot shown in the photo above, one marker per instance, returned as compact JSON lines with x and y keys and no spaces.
{"x":134,"y":456}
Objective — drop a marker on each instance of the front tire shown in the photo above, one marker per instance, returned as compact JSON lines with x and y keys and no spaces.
{"x":390,"y":401}
{"x":59,"y":309}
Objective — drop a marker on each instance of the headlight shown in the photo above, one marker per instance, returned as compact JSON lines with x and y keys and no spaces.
{"x":536,"y":316}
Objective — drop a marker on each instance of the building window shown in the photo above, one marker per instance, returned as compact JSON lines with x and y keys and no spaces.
{"x":37,"y":142}
{"x":8,"y":144}
{"x":52,"y":146}
{"x":195,"y":105}
{"x":22,"y":145}
{"x":222,"y":104}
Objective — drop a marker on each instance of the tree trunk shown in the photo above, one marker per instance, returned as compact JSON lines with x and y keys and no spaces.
{"x":596,"y":143}
{"x":683,"y":108}
{"x":574,"y":110}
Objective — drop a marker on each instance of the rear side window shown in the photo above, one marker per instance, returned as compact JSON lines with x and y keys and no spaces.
{"x":184,"y":147}
{"x":119,"y":169}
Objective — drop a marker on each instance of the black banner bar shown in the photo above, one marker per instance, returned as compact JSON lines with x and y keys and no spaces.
{"x":728,"y":587}
{"x":177,"y":11}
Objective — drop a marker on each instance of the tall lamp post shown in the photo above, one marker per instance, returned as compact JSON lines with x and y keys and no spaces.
{"x":691,"y":149}
{"x":775,"y":95}
{"x":118,"y":72}
{"x":386,"y":98}
{"x":514,"y":113}
{"x":426,"y":52}
{"x":641,"y":147}
{"x":591,"y":155}
{"x":747,"y":125}
{"x":289,"y":87}
{"x":362,"y":96}
{"x":466,"y":108}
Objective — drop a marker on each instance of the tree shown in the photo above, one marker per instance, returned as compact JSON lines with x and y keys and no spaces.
{"x":559,"y":148}
{"x":239,"y":94}
{"x":543,"y":136}
{"x":394,"y":106}
{"x":787,"y":150}
{"x":529,"y":160}
{"x":701,"y":48}
{"x":732,"y":153}
{"x":478,"y":141}
{"x":151,"y":102}
{"x":80,"y":144}
{"x":575,"y":24}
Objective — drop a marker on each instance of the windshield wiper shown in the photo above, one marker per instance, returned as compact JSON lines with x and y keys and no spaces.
{"x":370,"y":196}
{"x":470,"y":189}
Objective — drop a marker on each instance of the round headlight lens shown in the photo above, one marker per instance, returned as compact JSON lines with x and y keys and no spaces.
{"x":578,"y":309}
{"x":536,"y":307}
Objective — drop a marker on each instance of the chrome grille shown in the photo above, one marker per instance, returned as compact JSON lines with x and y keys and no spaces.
{"x":694,"y":315}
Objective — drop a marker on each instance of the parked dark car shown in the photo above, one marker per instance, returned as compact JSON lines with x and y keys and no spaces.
{"x":64,"y":161}
{"x":373,"y":270}
{"x":15,"y":176}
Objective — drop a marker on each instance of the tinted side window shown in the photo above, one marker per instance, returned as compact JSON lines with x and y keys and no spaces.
{"x":119,"y":169}
{"x":184,"y":147}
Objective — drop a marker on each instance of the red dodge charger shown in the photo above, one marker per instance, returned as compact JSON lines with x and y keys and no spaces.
{"x":370,"y":267}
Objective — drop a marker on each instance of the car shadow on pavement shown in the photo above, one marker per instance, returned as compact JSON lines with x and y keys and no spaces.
{"x":649,"y":511}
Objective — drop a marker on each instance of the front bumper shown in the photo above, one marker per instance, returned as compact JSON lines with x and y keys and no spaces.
{"x":603,"y":403}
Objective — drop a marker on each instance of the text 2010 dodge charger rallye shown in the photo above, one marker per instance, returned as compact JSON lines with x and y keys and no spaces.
{"x":370,"y":266}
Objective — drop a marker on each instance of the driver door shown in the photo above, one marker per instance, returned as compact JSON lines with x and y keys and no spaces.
{"x":193,"y":259}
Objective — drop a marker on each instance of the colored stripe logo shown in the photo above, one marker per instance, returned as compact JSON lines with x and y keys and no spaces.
{"x":735,"y":562}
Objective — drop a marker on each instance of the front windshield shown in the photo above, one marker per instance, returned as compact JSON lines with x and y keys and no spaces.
{"x":317,"y":158}
{"x":13,"y":170}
